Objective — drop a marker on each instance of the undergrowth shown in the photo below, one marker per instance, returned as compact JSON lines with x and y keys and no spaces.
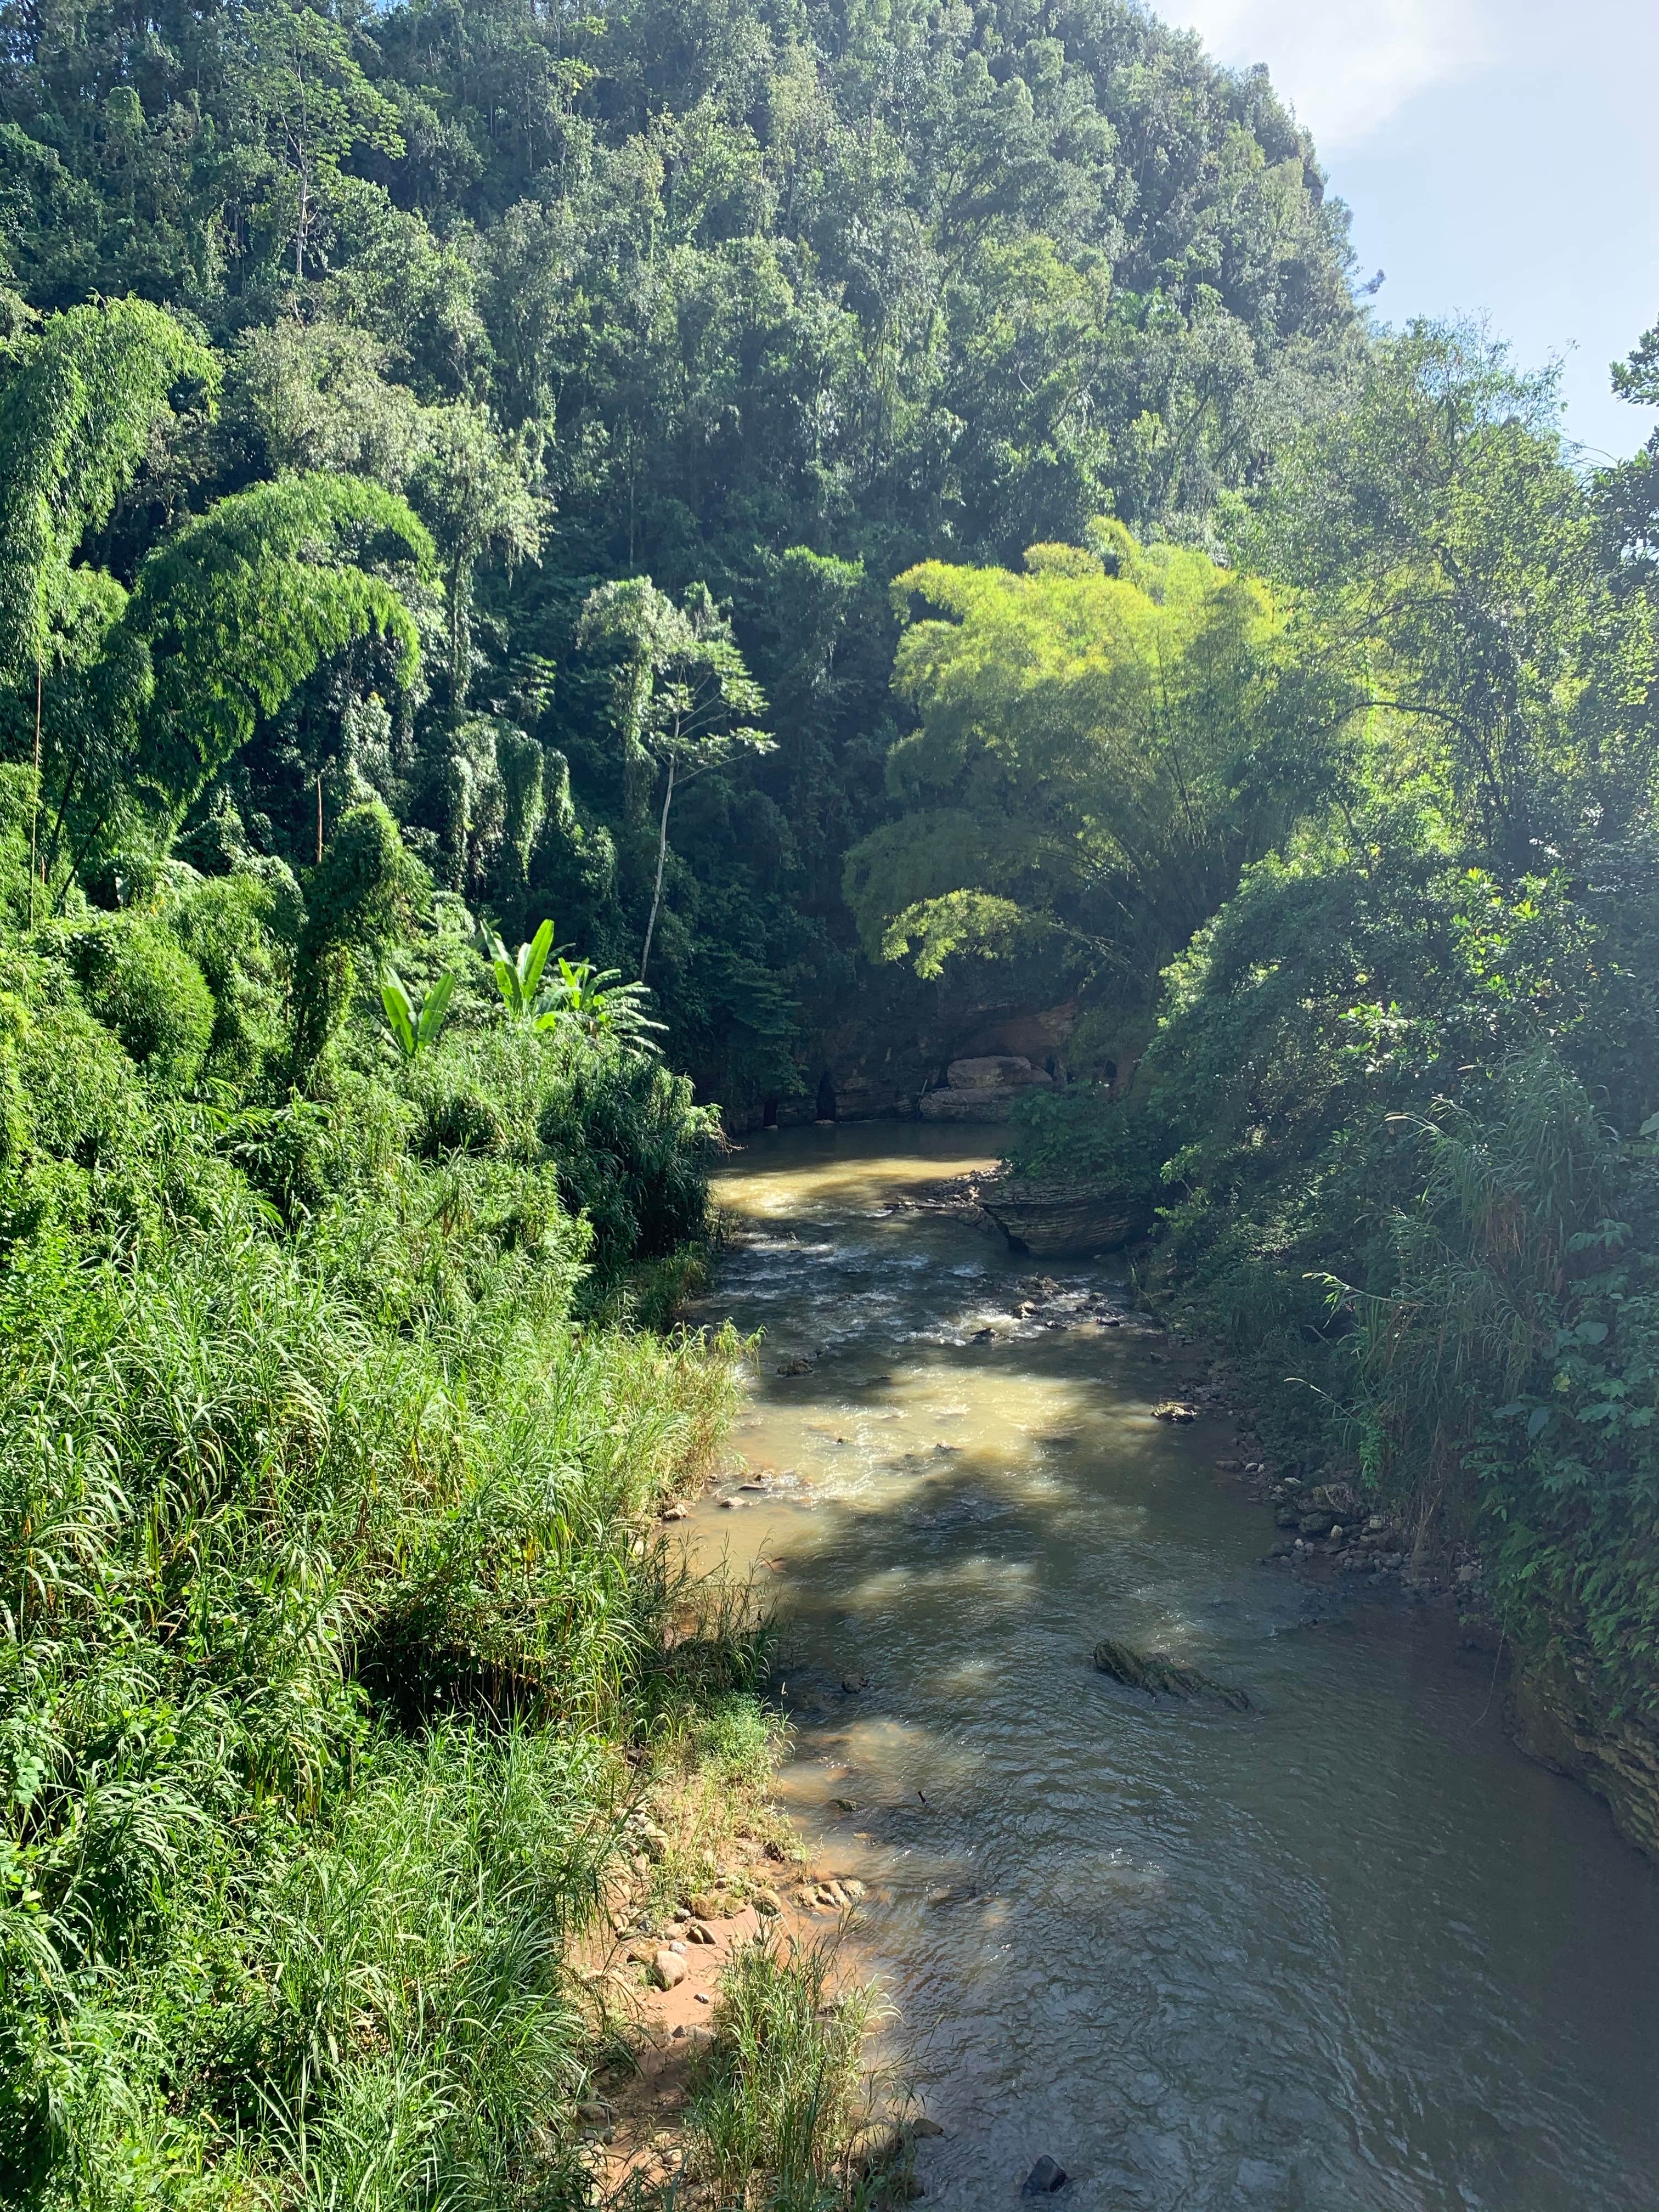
{"x":338,"y":1634}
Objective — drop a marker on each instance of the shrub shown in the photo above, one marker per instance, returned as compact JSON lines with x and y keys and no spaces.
{"x":140,"y":983}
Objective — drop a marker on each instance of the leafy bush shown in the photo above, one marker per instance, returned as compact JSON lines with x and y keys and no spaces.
{"x":1513,"y":1370}
{"x":141,"y":983}
{"x":1080,"y":1134}
{"x":629,"y":1146}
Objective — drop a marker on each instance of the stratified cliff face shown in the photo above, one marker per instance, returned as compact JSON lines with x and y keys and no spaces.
{"x":888,"y":1060}
{"x":1556,"y":1720}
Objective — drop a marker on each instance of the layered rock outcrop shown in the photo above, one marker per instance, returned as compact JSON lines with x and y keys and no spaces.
{"x":984,"y":1090}
{"x":1556,"y":1720}
{"x":1064,"y":1220}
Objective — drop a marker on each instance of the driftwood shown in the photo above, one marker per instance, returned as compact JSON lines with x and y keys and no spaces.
{"x":1156,"y":1671}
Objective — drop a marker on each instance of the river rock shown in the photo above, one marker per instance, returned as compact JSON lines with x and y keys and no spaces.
{"x":1156,"y":1671}
{"x":1062,"y":1221}
{"x":667,"y":1969}
{"x":1047,"y":2176}
{"x":982,"y":1090}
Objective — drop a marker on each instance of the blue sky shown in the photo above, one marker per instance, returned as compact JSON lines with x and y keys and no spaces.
{"x":1501,"y":158}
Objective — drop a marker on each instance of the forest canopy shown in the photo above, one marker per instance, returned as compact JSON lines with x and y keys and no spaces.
{"x":775,"y":300}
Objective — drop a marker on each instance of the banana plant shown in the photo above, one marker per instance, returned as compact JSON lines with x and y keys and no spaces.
{"x":601,"y":1005}
{"x":415,"y":1030}
{"x":519,"y":978}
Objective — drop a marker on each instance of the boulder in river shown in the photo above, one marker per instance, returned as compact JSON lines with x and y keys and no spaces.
{"x":1156,"y":1672}
{"x":1047,"y":2176}
{"x":1062,"y":1221}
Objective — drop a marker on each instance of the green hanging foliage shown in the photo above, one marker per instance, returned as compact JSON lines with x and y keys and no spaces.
{"x":75,"y":422}
{"x":240,"y":606}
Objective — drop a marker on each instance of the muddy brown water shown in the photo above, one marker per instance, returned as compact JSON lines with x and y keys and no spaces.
{"x":1349,"y":1952}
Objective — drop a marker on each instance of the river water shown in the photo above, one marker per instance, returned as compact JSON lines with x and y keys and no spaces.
{"x":1347,"y":1951}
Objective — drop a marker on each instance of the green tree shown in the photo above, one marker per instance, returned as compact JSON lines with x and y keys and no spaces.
{"x":1102,"y":743}
{"x":680,"y":689}
{"x":1453,"y":576}
{"x":1627,"y":497}
{"x":309,"y":97}
{"x":81,"y":402}
{"x":242,"y":605}
{"x":478,"y":490}
{"x":363,"y":893}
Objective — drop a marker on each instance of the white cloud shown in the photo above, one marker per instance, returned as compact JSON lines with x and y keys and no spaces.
{"x":1346,"y":65}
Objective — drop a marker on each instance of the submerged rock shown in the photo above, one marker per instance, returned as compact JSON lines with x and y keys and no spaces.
{"x":1156,"y":1672}
{"x":1045,"y":2177}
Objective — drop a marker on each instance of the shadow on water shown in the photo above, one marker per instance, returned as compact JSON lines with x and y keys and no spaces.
{"x":1347,"y":1951}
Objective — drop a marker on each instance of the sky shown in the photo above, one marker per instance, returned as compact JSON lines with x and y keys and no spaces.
{"x":1501,"y":159}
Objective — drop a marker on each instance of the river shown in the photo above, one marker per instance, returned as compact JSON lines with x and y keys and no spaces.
{"x":1347,"y":1951}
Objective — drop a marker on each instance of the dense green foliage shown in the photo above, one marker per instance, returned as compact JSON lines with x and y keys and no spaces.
{"x":776,"y":300}
{"x":330,"y":1597}
{"x":825,"y":501}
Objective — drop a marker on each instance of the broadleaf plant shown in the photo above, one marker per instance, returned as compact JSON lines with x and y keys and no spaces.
{"x":415,"y":1030}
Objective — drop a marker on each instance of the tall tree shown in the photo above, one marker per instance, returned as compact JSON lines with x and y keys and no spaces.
{"x":308,"y":95}
{"x":1101,"y":746}
{"x":479,"y":490}
{"x":227,"y":616}
{"x":681,"y":690}
{"x":1452,"y":571}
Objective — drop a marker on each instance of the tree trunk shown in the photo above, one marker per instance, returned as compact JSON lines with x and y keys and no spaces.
{"x":662,"y":854}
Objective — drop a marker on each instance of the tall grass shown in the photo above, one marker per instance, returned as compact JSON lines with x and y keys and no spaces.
{"x":329,"y":1594}
{"x":781,"y":2096}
